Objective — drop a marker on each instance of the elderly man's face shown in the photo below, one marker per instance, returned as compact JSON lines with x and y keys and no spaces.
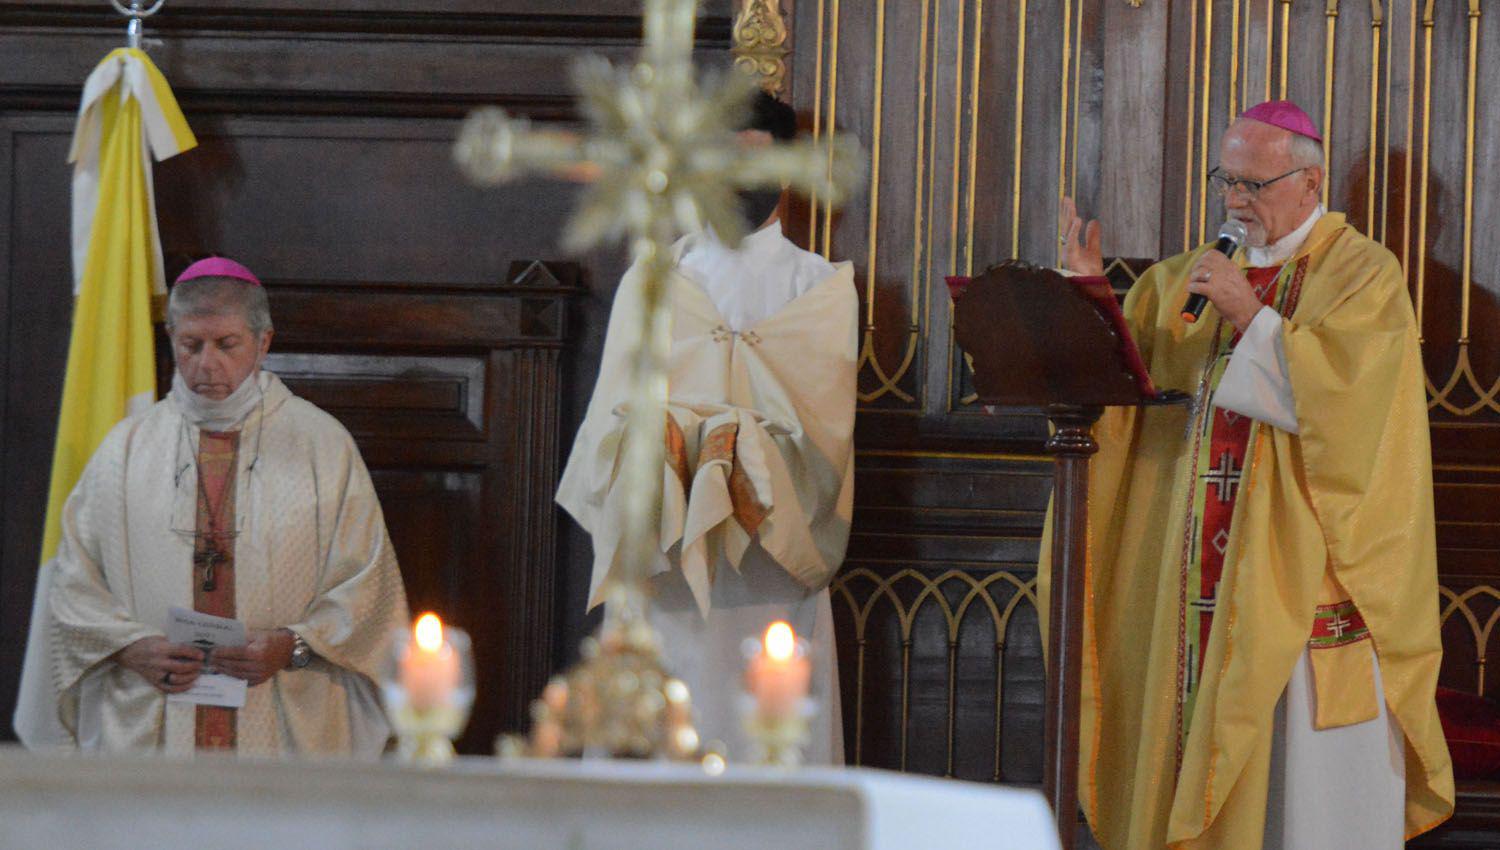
{"x":1255,"y":151}
{"x":215,"y":353}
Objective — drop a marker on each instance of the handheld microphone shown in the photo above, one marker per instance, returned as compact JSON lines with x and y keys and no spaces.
{"x":1231,"y":235}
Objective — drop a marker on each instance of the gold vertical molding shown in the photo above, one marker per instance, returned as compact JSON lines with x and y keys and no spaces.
{"x":1411,"y":160}
{"x":1062,"y":119}
{"x":1208,"y":68}
{"x":958,"y":126}
{"x":918,"y":255}
{"x":1077,"y":79}
{"x":1270,"y":44}
{"x":875,"y":133}
{"x":1331,"y":15}
{"x":905,"y":688}
{"x":974,"y":120}
{"x":833,"y":112}
{"x":931,"y":118}
{"x":1427,"y":21}
{"x":1234,"y":57}
{"x":1376,"y":22}
{"x":1187,"y":168}
{"x":1385,"y":156}
{"x":1015,"y":200}
{"x":1469,"y":123}
{"x":817,"y":125}
{"x":1286,"y":33}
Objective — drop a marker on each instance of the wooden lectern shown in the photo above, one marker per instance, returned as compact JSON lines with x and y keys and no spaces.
{"x":1040,"y":340}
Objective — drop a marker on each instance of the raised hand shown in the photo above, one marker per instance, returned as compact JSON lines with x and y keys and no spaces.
{"x":1080,"y":257}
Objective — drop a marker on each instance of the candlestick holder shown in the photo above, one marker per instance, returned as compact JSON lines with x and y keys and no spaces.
{"x":777,"y":740}
{"x":618,"y":700}
{"x":775,"y":709}
{"x":428,"y":687}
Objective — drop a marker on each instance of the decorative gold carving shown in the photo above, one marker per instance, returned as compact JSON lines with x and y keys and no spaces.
{"x":759,"y":43}
{"x":1463,"y":370}
{"x":887,"y":383}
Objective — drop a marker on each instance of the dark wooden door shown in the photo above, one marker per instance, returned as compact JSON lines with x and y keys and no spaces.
{"x":452,"y":394}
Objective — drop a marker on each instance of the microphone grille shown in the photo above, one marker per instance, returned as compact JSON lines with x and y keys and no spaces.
{"x":1234,"y":229}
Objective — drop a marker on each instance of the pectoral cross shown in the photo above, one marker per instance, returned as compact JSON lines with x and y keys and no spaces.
{"x":206,"y":560}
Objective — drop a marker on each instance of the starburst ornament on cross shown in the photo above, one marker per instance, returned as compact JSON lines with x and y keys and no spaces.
{"x":669,"y":161}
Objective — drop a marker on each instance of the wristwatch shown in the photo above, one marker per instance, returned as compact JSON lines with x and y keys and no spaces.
{"x":302,"y":654}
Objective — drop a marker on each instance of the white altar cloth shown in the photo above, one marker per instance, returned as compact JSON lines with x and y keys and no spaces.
{"x":92,"y":803}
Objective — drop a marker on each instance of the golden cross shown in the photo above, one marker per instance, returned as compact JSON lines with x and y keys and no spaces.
{"x":669,"y":162}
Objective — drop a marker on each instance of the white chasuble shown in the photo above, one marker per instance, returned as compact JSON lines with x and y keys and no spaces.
{"x":311,"y":554}
{"x":758,"y":481}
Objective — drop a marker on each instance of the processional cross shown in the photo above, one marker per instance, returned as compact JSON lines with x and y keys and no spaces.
{"x":669,"y":163}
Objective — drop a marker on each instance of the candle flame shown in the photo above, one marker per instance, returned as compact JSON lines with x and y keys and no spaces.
{"x":781,"y":641}
{"x":429,"y":632}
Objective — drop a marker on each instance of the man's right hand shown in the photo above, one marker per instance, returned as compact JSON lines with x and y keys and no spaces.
{"x":170,"y":667}
{"x":1080,"y":257}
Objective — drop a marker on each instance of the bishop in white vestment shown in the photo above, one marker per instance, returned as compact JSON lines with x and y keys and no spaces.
{"x":254,"y":505}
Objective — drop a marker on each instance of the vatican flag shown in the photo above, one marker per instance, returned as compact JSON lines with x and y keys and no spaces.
{"x":127,"y":117}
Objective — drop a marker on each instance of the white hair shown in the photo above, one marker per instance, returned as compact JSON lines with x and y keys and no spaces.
{"x":1305,"y":151}
{"x":220,"y":296}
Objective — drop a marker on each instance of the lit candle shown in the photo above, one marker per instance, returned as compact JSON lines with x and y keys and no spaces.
{"x":430,"y":666}
{"x":779,"y":673}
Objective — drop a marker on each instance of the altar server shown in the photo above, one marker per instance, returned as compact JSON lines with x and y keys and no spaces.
{"x":760,"y":464}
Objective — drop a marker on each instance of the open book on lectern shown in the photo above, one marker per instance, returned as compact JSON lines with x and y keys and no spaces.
{"x":1038,"y":339}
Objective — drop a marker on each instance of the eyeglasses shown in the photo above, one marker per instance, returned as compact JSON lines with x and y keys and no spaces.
{"x":1249,"y":189}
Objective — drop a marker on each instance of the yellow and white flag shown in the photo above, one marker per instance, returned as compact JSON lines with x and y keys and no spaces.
{"x":128,"y":116}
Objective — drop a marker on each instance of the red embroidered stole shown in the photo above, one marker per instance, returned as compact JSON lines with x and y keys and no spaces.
{"x":213,"y":577}
{"x":1220,"y":466}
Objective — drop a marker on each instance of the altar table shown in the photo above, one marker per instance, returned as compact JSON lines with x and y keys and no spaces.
{"x":90,"y":803}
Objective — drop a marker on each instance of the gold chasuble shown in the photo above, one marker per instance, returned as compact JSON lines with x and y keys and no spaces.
{"x":1220,"y":548}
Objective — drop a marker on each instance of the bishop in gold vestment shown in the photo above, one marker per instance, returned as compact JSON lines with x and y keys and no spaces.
{"x":1275,"y":538}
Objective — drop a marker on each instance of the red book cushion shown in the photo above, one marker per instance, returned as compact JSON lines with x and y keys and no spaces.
{"x":1472,"y":726}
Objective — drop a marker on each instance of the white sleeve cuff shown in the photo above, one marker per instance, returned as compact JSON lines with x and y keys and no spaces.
{"x":1256,"y":383}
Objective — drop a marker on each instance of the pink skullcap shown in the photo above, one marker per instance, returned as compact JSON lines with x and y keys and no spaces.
{"x":217,"y":267}
{"x":1286,"y":115}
